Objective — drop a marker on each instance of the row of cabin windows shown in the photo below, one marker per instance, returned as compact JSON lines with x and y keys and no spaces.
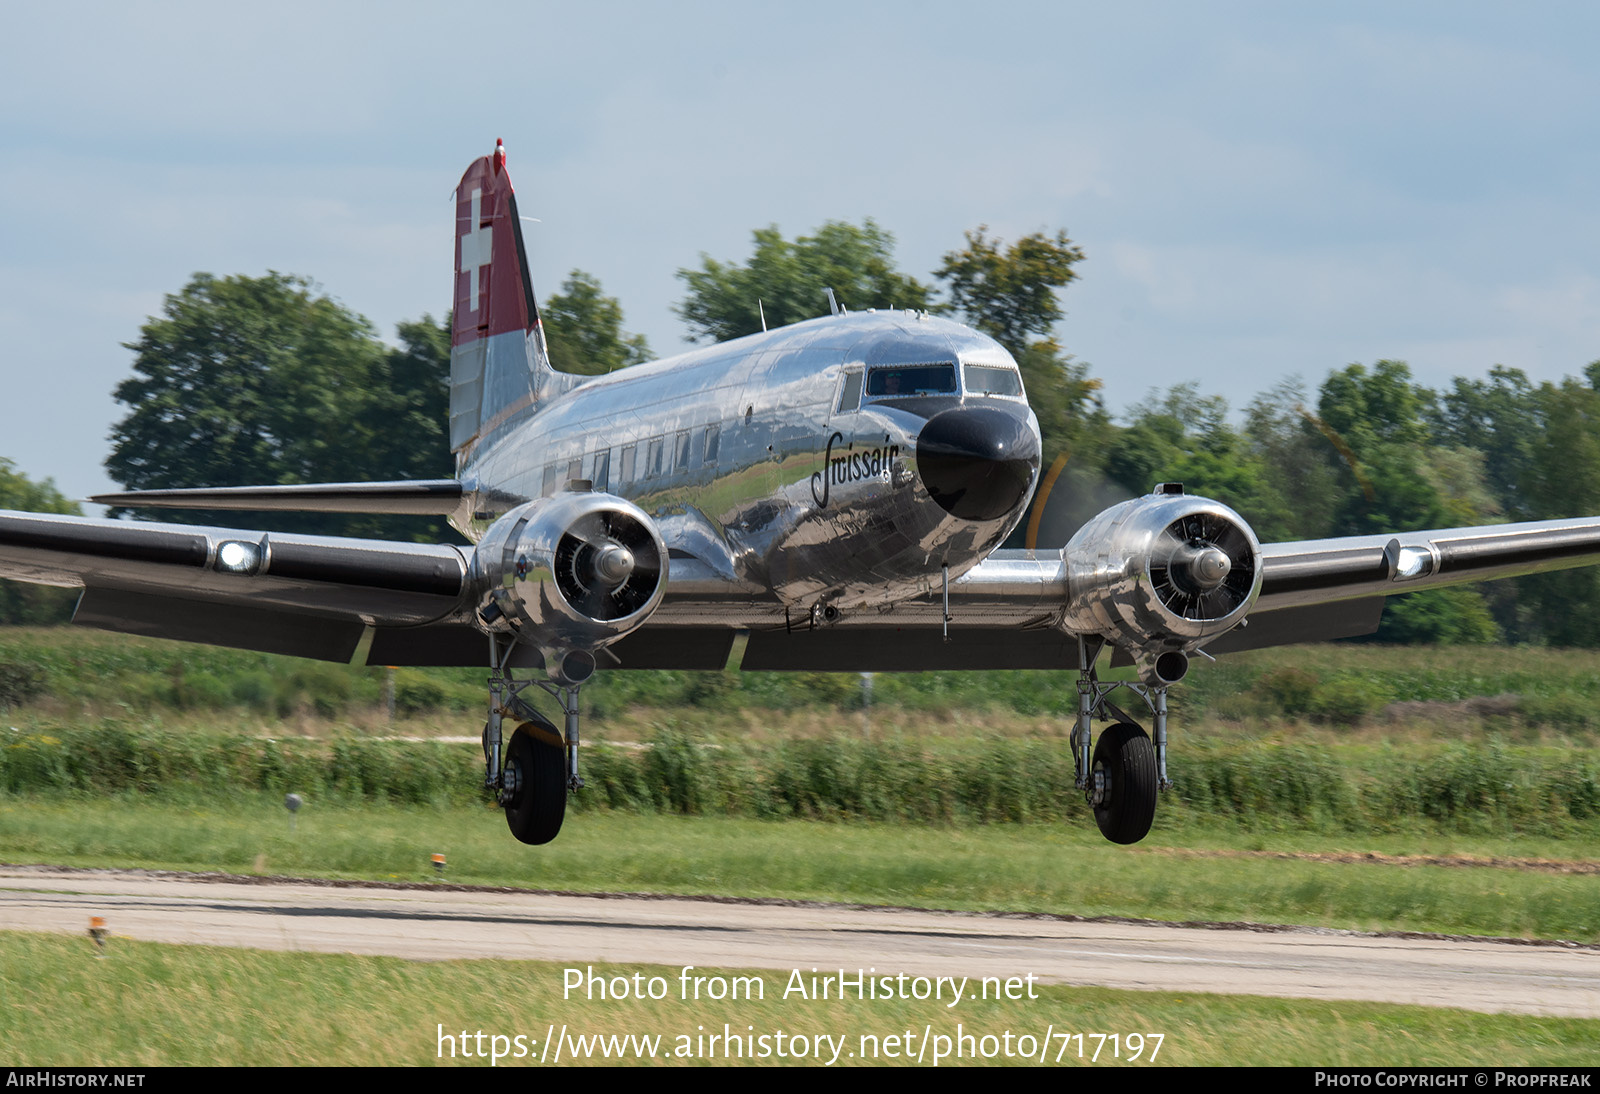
{"x":685,"y":455}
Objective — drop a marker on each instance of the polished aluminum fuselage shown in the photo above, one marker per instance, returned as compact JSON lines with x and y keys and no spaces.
{"x":744,"y":456}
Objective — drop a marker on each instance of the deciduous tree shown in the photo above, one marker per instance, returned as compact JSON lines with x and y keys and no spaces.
{"x":21,"y":603}
{"x":583,"y":327}
{"x":785,"y":280}
{"x":1011,"y":293}
{"x":263,"y":380}
{"x":1398,"y":478}
{"x":1498,"y":417}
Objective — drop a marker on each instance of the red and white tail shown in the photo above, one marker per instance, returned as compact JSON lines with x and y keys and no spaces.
{"x":498,"y":361}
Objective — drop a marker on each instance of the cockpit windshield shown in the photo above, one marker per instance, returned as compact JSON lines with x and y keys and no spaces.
{"x":907,"y":380}
{"x":992,"y":380}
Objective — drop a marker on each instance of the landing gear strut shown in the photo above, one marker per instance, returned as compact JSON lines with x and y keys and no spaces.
{"x":541,"y":765}
{"x":1122,"y":776}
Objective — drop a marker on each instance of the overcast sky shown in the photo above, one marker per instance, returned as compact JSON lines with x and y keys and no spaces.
{"x":1262,"y":190}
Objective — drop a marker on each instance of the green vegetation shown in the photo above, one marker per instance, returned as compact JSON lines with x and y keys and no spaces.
{"x":1321,"y":690}
{"x":1495,"y":789}
{"x":583,"y":327}
{"x":784,"y":282}
{"x":22,"y":603}
{"x":151,"y":1005}
{"x":1010,"y":294}
{"x":1183,"y":872}
{"x":1300,"y":800}
{"x":1340,"y":740}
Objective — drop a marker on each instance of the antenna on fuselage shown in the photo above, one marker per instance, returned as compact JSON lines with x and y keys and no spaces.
{"x":763,"y":312}
{"x":833,"y":303}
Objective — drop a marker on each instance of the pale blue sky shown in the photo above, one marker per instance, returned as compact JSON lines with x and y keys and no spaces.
{"x":1262,"y":189}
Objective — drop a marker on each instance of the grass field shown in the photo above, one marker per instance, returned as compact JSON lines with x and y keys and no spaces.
{"x":149,"y":1004}
{"x":1192,"y":874}
{"x":1337,"y":689}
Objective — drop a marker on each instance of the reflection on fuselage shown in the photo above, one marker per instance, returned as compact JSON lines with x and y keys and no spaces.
{"x":790,"y":460}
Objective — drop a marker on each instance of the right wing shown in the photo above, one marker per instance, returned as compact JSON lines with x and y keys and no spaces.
{"x":355,"y":601}
{"x":312,"y":596}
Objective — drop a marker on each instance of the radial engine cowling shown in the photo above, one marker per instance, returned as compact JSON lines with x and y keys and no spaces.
{"x":1163,"y":573}
{"x":571,"y":573}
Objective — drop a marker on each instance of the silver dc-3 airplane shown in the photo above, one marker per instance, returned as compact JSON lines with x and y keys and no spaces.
{"x":834,"y":491}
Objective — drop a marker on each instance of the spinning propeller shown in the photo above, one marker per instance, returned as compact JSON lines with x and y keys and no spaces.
{"x":1202,"y":566}
{"x":607,"y":565}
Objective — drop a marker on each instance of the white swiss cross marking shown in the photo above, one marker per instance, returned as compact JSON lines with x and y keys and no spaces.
{"x":477,"y":248}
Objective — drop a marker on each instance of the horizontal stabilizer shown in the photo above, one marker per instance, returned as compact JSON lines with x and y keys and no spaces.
{"x":427,"y":497}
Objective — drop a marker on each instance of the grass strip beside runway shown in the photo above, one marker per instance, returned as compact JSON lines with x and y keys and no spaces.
{"x":148,"y":1004}
{"x":1027,"y":868}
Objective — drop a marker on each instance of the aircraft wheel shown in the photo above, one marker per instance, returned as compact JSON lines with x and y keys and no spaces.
{"x":536,"y":776}
{"x":1126,"y":759}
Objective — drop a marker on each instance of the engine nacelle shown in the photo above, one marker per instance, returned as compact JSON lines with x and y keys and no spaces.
{"x":1162,"y":574}
{"x":570,"y":573}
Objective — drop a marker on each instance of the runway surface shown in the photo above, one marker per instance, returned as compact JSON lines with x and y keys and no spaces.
{"x":604,"y":930}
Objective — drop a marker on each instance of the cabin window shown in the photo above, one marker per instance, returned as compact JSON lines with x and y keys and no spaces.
{"x":713,"y":442}
{"x":902,"y":381}
{"x":574,"y":470}
{"x":652,"y":463}
{"x":989,"y":380}
{"x":680,"y":446}
{"x":629,"y":455}
{"x":551,"y":474}
{"x":850,"y":394}
{"x":602,"y":470}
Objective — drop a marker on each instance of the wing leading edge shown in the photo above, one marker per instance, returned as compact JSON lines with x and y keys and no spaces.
{"x":426,"y":497}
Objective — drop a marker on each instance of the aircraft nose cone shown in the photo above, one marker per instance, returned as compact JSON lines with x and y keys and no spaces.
{"x":978,"y":462}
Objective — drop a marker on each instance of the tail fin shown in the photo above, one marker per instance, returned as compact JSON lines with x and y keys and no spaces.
{"x":499,"y":365}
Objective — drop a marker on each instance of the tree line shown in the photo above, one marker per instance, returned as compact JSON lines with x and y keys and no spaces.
{"x":243,"y":380}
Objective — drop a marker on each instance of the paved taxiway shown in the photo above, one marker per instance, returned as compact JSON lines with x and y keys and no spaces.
{"x":438,"y":924}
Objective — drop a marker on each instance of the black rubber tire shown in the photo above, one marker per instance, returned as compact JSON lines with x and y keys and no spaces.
{"x":534,"y":815}
{"x":1127,"y":757}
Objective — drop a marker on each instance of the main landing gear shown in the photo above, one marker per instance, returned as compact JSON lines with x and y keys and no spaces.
{"x":1123,"y":775}
{"x":534,"y":783}
{"x":541,"y":764}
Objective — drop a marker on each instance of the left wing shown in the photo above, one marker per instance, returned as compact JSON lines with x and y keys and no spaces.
{"x":1315,"y":589}
{"x":1010,"y":611}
